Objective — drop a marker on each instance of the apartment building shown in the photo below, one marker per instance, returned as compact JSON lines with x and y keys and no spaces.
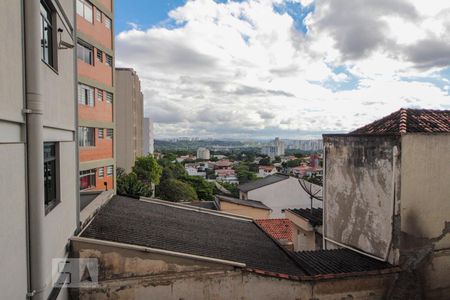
{"x":96,"y":103}
{"x":148,"y":136}
{"x":130,"y":114}
{"x":38,"y":182}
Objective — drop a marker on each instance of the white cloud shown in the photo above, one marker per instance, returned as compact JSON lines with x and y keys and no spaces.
{"x":241,"y":69}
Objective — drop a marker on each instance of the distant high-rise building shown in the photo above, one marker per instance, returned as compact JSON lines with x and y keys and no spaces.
{"x":149,"y":137}
{"x":203,"y":153}
{"x":275,"y":148}
{"x":129,"y":114}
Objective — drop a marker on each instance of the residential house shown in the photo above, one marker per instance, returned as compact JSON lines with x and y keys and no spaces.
{"x":226,"y":175}
{"x":389,"y":181}
{"x":282,"y":230}
{"x":96,"y":98}
{"x":307,"y":228}
{"x":129,"y":118}
{"x":38,"y":150}
{"x":279,"y":192}
{"x":264,"y":171}
{"x":248,"y":208}
{"x":194,"y":170}
{"x":175,"y":251}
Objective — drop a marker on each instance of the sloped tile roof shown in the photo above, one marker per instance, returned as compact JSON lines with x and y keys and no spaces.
{"x":253,"y":185}
{"x":314,"y":217}
{"x":337,"y":261}
{"x":204,"y":204}
{"x":409,"y":121}
{"x":279,"y":229}
{"x":167,"y":227}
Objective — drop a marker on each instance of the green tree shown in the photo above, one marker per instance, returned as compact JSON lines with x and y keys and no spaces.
{"x":244,"y":174}
{"x":203,"y":188}
{"x":147,"y":169}
{"x":130,"y":185}
{"x":265,"y":161}
{"x":293,"y":163}
{"x":277,"y":159}
{"x":176,"y":191}
{"x":173,"y":170}
{"x":232,"y":188}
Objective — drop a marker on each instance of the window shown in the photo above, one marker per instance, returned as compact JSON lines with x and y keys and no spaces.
{"x":98,"y":15}
{"x":109,"y":170}
{"x":47,"y":46}
{"x":86,"y":137}
{"x":101,"y":172}
{"x":87,"y":179}
{"x":84,"y":9}
{"x":50,"y":176}
{"x":109,"y":97}
{"x":99,"y":95}
{"x":109,"y":133}
{"x":84,"y":53}
{"x":101,"y":133}
{"x":107,"y":22}
{"x":100,"y":55}
{"x":85,"y":95}
{"x":109,"y":60}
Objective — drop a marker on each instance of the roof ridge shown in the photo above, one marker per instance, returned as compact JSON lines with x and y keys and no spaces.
{"x":196,"y":209}
{"x":403,"y":122}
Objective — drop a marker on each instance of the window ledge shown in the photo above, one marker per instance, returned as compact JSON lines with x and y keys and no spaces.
{"x":49,"y":207}
{"x":51,"y":68}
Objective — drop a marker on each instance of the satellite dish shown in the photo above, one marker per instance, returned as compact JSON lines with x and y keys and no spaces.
{"x":312,"y":190}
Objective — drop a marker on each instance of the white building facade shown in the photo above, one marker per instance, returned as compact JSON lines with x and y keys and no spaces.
{"x":203,"y":153}
{"x":148,"y":136}
{"x":38,"y":148}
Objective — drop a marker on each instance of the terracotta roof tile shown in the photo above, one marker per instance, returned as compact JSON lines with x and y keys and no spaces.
{"x":279,"y":229}
{"x":408,"y":121}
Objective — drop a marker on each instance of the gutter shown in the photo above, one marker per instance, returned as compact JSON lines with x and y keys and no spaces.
{"x":35,"y":148}
{"x":156,"y":251}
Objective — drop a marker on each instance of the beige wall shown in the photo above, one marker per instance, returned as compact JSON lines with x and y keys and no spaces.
{"x":282,"y":195}
{"x":361,"y":176}
{"x":200,"y":280}
{"x":251,"y":212}
{"x":425,"y":208}
{"x":129,"y":118}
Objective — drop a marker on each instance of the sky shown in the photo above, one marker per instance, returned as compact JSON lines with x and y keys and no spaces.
{"x":288,"y":68}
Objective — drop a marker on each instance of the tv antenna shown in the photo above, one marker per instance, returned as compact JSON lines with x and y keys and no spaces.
{"x":314,"y":191}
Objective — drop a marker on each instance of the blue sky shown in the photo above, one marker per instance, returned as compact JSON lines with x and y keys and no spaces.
{"x":146,"y":13}
{"x":266,"y":68}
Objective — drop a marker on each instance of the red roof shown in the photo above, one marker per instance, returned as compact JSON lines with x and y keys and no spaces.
{"x":279,"y":229}
{"x":410,"y":120}
{"x":223,"y":163}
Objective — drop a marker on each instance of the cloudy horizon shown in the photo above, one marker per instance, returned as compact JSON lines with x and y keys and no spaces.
{"x":287,"y":68}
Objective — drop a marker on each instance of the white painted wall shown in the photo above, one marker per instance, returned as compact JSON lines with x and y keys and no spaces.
{"x":282,"y":195}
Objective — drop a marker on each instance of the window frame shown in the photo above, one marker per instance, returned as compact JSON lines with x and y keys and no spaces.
{"x":102,"y":135}
{"x":108,"y":173}
{"x":99,"y":92}
{"x":85,"y":4}
{"x":109,"y":133}
{"x":83,"y":92}
{"x":109,"y":97}
{"x":51,"y":160}
{"x":49,"y":21}
{"x":89,"y":173}
{"x":84,"y":49}
{"x":102,"y":173}
{"x":109,"y":60}
{"x":84,"y":137}
{"x":99,"y":52}
{"x":98,"y":15}
{"x":108,"y":22}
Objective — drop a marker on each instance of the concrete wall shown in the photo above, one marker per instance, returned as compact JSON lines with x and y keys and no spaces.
{"x":251,"y":212}
{"x":361,"y":183}
{"x":129,"y":122}
{"x":282,"y":195}
{"x":176,"y":278}
{"x":425,"y":211}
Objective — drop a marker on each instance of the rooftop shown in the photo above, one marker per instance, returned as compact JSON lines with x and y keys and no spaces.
{"x":279,"y":229}
{"x":251,"y":203}
{"x":410,"y":121}
{"x":180,"y":229}
{"x":337,"y":261}
{"x":203,"y":204}
{"x":314,"y":217}
{"x":253,"y":185}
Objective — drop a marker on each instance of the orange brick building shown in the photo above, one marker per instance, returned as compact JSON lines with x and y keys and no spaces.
{"x":95,"y":63}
